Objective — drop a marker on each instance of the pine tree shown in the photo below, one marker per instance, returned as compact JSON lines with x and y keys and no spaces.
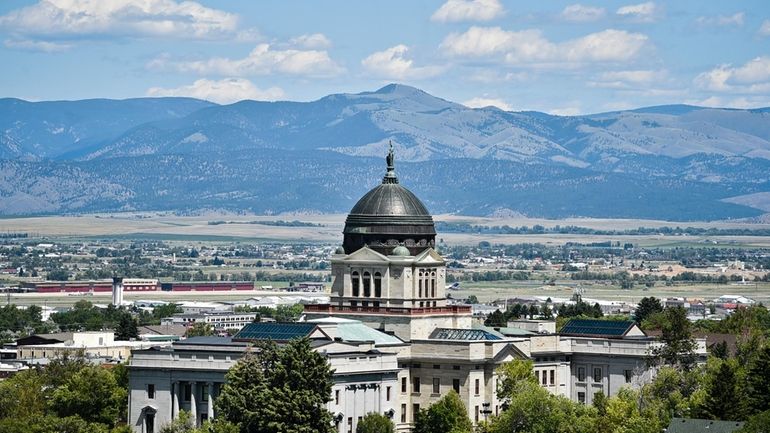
{"x":758,"y":381}
{"x":723,"y":399}
{"x":647,"y":306}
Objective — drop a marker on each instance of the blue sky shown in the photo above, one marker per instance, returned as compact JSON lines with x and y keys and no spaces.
{"x":561,"y":57}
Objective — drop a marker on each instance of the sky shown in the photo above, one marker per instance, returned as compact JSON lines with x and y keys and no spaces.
{"x":559,"y":57}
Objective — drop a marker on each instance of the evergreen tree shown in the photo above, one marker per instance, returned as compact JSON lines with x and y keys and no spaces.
{"x":496,"y":319}
{"x":126,"y":328}
{"x":723,"y":399}
{"x":758,"y":381}
{"x":278,"y":390}
{"x":647,"y":306}
{"x":678,"y":347}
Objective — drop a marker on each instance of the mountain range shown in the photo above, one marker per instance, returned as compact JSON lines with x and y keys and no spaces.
{"x":674,"y":162}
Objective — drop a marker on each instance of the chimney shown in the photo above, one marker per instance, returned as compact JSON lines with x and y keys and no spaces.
{"x":117,"y":291}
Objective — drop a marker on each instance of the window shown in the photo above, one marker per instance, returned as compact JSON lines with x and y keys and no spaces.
{"x":436,"y":367}
{"x":150,"y":390}
{"x":350,"y":424}
{"x":455,"y":367}
{"x":367,"y":285}
{"x":204,"y":392}
{"x":581,"y":374}
{"x":456,"y":385}
{"x":149,"y":423}
{"x":476,"y":387}
{"x":403,"y":385}
{"x":537,"y":376}
{"x":355,"y":281}
{"x":629,"y":375}
{"x":582,"y":397}
{"x":419,"y":286}
{"x":416,"y":385}
{"x":377,"y":285}
{"x":337,"y":396}
{"x":553,"y":377}
{"x":433,"y":284}
{"x":187,"y":391}
{"x":403,"y":412}
{"x":415,"y":410}
{"x":477,"y":414}
{"x":597,"y":374}
{"x":387,"y":393}
{"x":545,"y":378}
{"x":436,"y":385}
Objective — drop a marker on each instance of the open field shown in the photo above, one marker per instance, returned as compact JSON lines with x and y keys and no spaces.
{"x":164,"y":226}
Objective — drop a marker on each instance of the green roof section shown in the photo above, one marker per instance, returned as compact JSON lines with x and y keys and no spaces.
{"x":274,"y":331}
{"x":597,"y":328}
{"x":462,"y":334}
{"x":691,"y":425}
{"x":355,"y":330}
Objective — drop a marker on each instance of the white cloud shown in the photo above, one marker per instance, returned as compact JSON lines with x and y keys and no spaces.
{"x":740,"y":102}
{"x":162,"y":18}
{"x":752,"y":77}
{"x":312,"y":41}
{"x":628,"y":79}
{"x":764,"y":29}
{"x":30,"y":45}
{"x":468,"y":10}
{"x":581,"y":13}
{"x":531,"y":47}
{"x":393,"y":63}
{"x":481,"y":102}
{"x":642,"y":12}
{"x":261,"y":60}
{"x":224,"y":91}
{"x":722,"y":20}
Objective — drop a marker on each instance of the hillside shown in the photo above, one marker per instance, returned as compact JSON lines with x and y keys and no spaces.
{"x":670,"y":162}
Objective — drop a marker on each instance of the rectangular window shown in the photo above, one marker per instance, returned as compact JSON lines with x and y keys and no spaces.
{"x":403,"y":412}
{"x":204,"y":392}
{"x":187,"y":391}
{"x":387,"y":393}
{"x":436,"y":385}
{"x":415,"y":411}
{"x":350,"y":424}
{"x":403,"y":385}
{"x":477,"y":414}
{"x":337,"y":396}
{"x":581,"y":376}
{"x":553,"y":377}
{"x":597,"y":374}
{"x":456,"y":385}
{"x":436,"y":366}
{"x":545,"y":378}
{"x":629,"y":375}
{"x":455,"y":367}
{"x":416,"y":385}
{"x":476,"y":388}
{"x":537,"y":376}
{"x":582,"y":397}
{"x":150,"y":390}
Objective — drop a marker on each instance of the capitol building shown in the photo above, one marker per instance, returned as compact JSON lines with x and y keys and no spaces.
{"x":390,"y":336}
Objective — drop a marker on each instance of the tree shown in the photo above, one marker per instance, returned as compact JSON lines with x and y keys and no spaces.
{"x":92,"y":394}
{"x":448,"y":415}
{"x":678,"y":347}
{"x":374,"y":422}
{"x":472,"y":299}
{"x":199,"y":329}
{"x":647,"y":306}
{"x":278,"y":390}
{"x":759,"y":423}
{"x":758,"y":381}
{"x":723,"y":401}
{"x":496,"y":319}
{"x":126,"y":329}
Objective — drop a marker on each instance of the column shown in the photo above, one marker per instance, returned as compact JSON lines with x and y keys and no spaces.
{"x":194,"y":402}
{"x":211,"y":400}
{"x":174,"y":399}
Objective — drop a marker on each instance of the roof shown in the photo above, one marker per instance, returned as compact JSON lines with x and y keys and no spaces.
{"x":597,"y":328}
{"x":276,"y":331}
{"x":355,"y":330}
{"x":462,"y":334}
{"x":167,"y":329}
{"x":691,"y":425}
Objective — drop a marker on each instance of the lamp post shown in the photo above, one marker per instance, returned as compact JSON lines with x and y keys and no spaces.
{"x":486,"y":411}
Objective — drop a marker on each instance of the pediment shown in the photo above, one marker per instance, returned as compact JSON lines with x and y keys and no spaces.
{"x":429,"y":256}
{"x":509,"y":353}
{"x":366,"y":254}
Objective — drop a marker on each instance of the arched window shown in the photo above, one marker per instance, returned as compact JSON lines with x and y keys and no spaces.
{"x":354,"y":279}
{"x":420,"y":277}
{"x":433,"y":284}
{"x":367,"y":284}
{"x":377,"y":285}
